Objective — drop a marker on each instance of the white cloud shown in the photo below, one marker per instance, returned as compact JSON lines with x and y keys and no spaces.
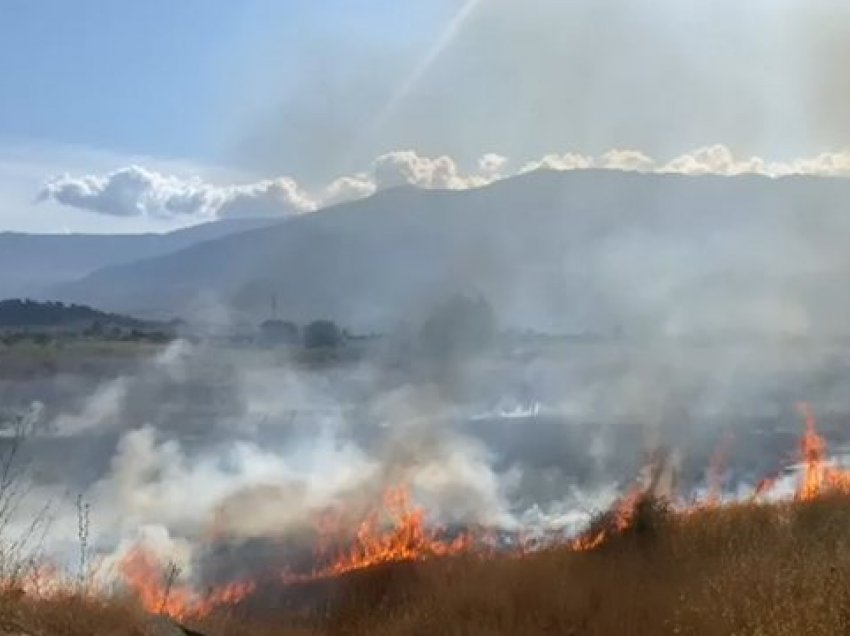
{"x":135,"y":191}
{"x":716,"y":159}
{"x":406,"y":167}
{"x":492,"y":164}
{"x":627,"y":160}
{"x":566,"y":161}
{"x":272,"y":197}
{"x":25,"y":165}
{"x":832,"y":164}
{"x":345,"y":189}
{"x":130,"y":191}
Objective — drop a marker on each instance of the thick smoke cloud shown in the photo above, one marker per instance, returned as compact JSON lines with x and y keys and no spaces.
{"x":202,"y":447}
{"x":136,"y":191}
{"x":199,"y":442}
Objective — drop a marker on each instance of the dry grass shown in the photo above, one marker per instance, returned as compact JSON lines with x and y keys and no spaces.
{"x":70,"y":615}
{"x":744,"y":569}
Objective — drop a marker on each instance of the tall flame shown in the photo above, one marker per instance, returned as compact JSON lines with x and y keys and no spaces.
{"x":395,"y":532}
{"x":819,"y":475}
{"x":159,"y":593}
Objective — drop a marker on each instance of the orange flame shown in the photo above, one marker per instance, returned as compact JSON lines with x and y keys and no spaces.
{"x":45,"y":580}
{"x":395,"y":532}
{"x":764,"y":486}
{"x":159,"y":593}
{"x":622,"y":514}
{"x":622,"y":517}
{"x":812,"y":453}
{"x":819,"y":475}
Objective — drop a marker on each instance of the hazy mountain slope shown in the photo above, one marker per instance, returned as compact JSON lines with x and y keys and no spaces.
{"x":29,"y":263}
{"x":29,"y":314}
{"x":582,"y":250}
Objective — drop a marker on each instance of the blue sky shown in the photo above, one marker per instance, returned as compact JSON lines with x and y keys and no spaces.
{"x":111,"y":74}
{"x":156,"y":77}
{"x":239,"y":93}
{"x":91,"y":85}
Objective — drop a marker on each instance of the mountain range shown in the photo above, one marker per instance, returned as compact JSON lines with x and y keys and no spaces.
{"x":30,"y":264}
{"x":584,"y":250}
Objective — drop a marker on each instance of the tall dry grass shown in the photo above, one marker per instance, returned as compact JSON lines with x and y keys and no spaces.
{"x":742,"y":569}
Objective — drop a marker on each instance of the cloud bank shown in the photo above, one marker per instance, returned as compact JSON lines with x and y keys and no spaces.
{"x":135,"y":191}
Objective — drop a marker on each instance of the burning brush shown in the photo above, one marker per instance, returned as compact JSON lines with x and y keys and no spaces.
{"x":396,"y":531}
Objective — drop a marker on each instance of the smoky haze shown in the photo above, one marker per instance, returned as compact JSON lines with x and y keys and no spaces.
{"x":583,"y":251}
{"x":220,"y":459}
{"x":527,"y":79}
{"x":632,"y":311}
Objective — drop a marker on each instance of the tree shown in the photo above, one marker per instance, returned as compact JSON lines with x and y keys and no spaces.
{"x":322,"y":333}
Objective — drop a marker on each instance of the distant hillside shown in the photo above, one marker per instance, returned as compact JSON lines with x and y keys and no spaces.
{"x":579,"y":251}
{"x":29,"y":314}
{"x":30,"y":263}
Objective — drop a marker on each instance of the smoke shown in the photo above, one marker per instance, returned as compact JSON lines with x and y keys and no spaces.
{"x":223,"y":460}
{"x":526,"y":79}
{"x":820,"y":34}
{"x":206,"y":445}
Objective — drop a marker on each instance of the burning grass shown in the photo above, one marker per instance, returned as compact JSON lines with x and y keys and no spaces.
{"x":395,"y":531}
{"x":650,"y":565}
{"x":746,"y":568}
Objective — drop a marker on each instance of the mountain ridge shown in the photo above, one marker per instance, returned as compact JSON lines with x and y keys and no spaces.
{"x":31,"y":263}
{"x":559,"y":250}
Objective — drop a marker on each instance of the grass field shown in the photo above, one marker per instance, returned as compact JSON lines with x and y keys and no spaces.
{"x":739,"y":569}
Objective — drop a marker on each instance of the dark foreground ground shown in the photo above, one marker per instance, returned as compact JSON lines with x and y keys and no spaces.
{"x":744,"y":569}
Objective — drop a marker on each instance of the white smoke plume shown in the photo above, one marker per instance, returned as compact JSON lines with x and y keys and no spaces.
{"x":201,"y":443}
{"x":261,"y":454}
